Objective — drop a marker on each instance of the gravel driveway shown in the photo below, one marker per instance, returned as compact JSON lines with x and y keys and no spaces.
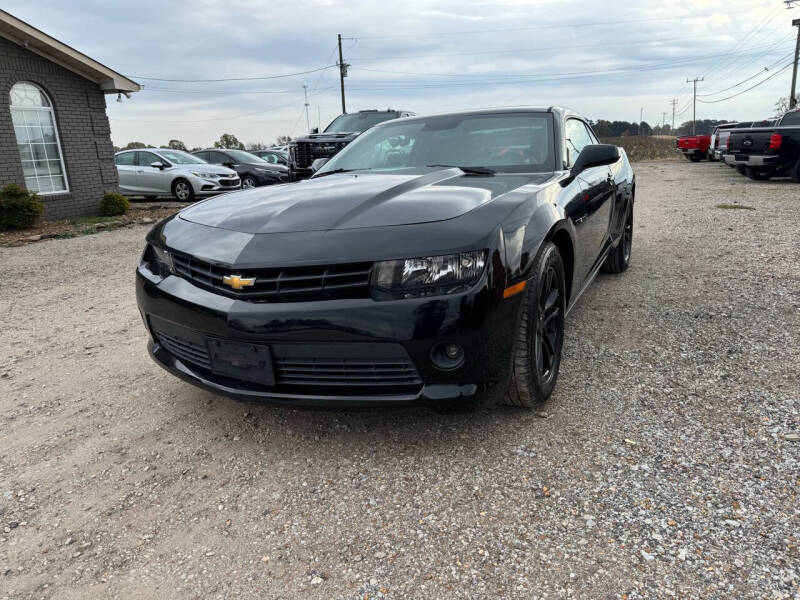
{"x":667,"y":465}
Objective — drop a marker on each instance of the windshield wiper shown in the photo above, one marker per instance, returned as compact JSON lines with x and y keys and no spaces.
{"x":323,"y":173}
{"x":469,"y":170}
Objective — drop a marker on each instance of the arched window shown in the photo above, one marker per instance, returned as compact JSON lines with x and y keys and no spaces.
{"x":37,"y":139}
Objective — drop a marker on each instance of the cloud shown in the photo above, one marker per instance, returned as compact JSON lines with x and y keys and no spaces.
{"x":606,"y":60}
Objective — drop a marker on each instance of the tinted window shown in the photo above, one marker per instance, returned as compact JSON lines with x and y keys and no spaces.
{"x":129,"y":158}
{"x":578,"y":137}
{"x":358,"y":122}
{"x":148,"y":158}
{"x":512,"y":142}
{"x":217,"y":158}
{"x":791,"y":118}
{"x":201,"y":155}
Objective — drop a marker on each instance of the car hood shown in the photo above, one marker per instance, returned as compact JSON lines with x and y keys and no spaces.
{"x":204,"y":168}
{"x":356,"y":200}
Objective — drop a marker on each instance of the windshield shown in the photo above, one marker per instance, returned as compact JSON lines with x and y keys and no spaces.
{"x":178,"y":157}
{"x":515,"y":143}
{"x":244,"y":157}
{"x":358,"y":122}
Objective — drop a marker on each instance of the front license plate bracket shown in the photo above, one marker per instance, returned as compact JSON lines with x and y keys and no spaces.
{"x":237,"y":360}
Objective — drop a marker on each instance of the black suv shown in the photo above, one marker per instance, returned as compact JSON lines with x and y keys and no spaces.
{"x":342,"y":130}
{"x":253,"y":171}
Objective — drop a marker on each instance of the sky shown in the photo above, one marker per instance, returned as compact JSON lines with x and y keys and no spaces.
{"x":608,"y":60}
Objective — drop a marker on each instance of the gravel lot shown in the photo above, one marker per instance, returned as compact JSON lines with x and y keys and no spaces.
{"x":668,"y":463}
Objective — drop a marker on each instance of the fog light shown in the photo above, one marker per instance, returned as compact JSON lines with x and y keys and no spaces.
{"x":447,"y":356}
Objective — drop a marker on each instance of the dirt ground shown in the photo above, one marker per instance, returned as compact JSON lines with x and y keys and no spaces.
{"x":667,"y":464}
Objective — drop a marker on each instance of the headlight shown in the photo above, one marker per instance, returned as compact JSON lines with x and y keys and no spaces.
{"x":158,"y":260}
{"x":429,"y":275}
{"x":205,"y":175}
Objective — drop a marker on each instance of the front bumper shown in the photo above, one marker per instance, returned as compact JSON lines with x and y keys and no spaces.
{"x":354,"y":330}
{"x":203,"y":186}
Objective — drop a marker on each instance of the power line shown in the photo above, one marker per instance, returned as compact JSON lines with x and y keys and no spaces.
{"x":538,"y":77}
{"x":227,"y":118}
{"x":775,"y":74}
{"x":735,"y":85}
{"x":235,"y":78}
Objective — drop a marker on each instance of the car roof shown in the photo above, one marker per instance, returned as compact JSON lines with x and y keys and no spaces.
{"x":149,"y":149}
{"x":557,"y":110}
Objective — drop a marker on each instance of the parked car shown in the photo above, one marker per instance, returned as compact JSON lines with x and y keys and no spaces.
{"x":745,"y":125}
{"x":719,"y":140}
{"x":342,"y":130}
{"x":694,"y":147}
{"x":252,"y":170}
{"x":767,"y":151}
{"x":433,"y":260}
{"x":275,"y":157}
{"x":152,"y":172}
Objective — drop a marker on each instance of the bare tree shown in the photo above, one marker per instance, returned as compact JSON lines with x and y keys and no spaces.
{"x":282,"y":140}
{"x":251,"y":146}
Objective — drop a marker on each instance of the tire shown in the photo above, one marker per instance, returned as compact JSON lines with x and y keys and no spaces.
{"x":796,"y":172}
{"x":740,"y":169}
{"x":537,"y":351}
{"x":620,"y":257}
{"x":182,"y":190}
{"x":757,"y":175}
{"x":695,"y":157}
{"x":248,"y":182}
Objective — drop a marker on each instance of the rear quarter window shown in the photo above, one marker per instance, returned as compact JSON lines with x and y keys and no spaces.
{"x":792,"y":118}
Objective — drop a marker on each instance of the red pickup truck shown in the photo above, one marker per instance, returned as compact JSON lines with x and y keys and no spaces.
{"x":694,"y":147}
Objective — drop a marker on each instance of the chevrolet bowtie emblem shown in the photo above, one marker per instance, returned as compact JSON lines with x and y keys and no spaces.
{"x":238,"y":282}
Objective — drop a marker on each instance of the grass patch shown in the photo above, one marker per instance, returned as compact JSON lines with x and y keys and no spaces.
{"x":734,"y":207}
{"x":645,"y":147}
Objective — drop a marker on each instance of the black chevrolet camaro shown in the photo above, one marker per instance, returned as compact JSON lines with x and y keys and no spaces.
{"x":433,"y":261}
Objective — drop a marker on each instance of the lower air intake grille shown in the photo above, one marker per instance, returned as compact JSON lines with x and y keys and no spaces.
{"x":346,"y":372}
{"x":184,"y":349}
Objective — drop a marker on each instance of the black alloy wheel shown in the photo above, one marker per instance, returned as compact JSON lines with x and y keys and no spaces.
{"x":620,"y":257}
{"x":537,"y":355}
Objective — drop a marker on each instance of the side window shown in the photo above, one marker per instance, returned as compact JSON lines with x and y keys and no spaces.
{"x":791,"y":118}
{"x":578,"y":137}
{"x":218,"y":158}
{"x":129,"y":159}
{"x":147,"y":158}
{"x":202,"y":155}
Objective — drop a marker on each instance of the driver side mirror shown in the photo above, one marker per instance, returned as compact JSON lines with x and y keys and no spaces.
{"x":317,"y":164}
{"x":595,"y":155}
{"x":158,"y":165}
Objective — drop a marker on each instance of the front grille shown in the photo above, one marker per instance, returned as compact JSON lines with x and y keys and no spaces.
{"x":280,"y":285}
{"x":306,"y":153}
{"x":345,"y":368}
{"x":346,"y":372}
{"x":229,"y":182}
{"x":184,"y":349}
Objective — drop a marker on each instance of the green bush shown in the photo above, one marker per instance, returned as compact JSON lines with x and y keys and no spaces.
{"x":113,"y":205}
{"x":19,"y":208}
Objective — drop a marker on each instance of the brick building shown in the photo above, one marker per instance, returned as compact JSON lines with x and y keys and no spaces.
{"x":54,"y":133}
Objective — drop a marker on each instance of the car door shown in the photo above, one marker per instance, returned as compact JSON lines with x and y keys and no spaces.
{"x":592,"y":217}
{"x":152,"y":179}
{"x":126,"y":170}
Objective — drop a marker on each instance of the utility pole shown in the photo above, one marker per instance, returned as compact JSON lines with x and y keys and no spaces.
{"x":674,"y":103}
{"x":305,"y":95}
{"x":694,"y":102}
{"x":793,"y":95}
{"x":342,"y":71}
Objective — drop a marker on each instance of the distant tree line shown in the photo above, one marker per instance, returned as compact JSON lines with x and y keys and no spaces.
{"x":226,"y":140}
